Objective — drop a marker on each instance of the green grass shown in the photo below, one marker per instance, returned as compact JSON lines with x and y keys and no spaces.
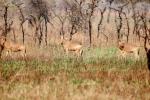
{"x":97,"y":59}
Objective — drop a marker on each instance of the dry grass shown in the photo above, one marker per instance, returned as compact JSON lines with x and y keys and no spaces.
{"x":99,"y":75}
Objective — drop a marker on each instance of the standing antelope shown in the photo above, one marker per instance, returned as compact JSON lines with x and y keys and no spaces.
{"x":127,"y":48}
{"x":12,"y":47}
{"x":72,"y":46}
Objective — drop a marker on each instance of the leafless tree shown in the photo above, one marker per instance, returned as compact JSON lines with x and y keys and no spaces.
{"x":62,"y":17}
{"x":7,"y":26}
{"x":75,"y":15}
{"x":81,"y":15}
{"x":134,"y":17}
{"x":101,"y":19}
{"x":90,"y":13}
{"x":119,"y":21}
{"x":110,"y":3}
{"x":38,"y":13}
{"x":143,"y":23}
{"x":22,"y":19}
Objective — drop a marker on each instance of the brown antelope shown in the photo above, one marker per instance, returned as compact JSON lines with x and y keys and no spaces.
{"x":9,"y":46}
{"x":72,"y":46}
{"x":127,"y":48}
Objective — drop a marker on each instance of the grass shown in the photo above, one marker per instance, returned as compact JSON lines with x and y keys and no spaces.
{"x":99,"y":74}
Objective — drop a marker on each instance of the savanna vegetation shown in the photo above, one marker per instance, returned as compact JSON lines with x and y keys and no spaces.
{"x":90,"y":65}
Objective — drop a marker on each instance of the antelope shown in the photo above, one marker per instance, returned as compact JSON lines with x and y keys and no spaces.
{"x":127,"y":48}
{"x":9,"y":46}
{"x":70,"y":45}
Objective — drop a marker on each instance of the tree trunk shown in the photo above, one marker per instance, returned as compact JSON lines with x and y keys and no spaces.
{"x":22,"y":29}
{"x":5,"y":19}
{"x":148,"y":58}
{"x":45,"y":32}
{"x":6,"y":29}
{"x":14,"y":34}
{"x":41,"y":34}
{"x":1,"y":50}
{"x":90,"y":31}
{"x":71,"y":33}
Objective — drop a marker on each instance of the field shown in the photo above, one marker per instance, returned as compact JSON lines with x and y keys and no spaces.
{"x":49,"y":74}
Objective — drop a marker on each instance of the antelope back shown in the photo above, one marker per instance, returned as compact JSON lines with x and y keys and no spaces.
{"x":127,"y":47}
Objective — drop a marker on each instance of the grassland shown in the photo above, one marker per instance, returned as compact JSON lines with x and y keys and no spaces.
{"x":97,"y":75}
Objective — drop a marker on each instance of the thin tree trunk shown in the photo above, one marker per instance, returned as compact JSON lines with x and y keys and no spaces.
{"x":41,"y":34}
{"x":14,"y":34}
{"x":128,"y":27}
{"x":108,"y":17}
{"x":45,"y":32}
{"x":148,"y":59}
{"x":23,"y":35}
{"x":72,"y":31}
{"x":90,"y":31}
{"x":100,"y":22}
{"x":5,"y":19}
{"x":5,"y":31}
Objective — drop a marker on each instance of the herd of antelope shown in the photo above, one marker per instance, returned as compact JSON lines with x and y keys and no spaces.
{"x":68,"y":45}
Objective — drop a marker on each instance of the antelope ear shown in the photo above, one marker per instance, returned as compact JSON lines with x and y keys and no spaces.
{"x":61,"y":37}
{"x":119,"y":41}
{"x":61,"y":40}
{"x":121,"y":47}
{"x":67,"y":39}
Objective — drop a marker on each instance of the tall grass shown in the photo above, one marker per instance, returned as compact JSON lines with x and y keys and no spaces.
{"x":98,"y":74}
